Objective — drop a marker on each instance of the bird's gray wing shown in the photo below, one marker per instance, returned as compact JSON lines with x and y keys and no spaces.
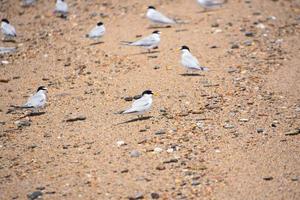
{"x":9,"y":30}
{"x":35,"y":101}
{"x":138,"y":105}
{"x":159,"y":17}
{"x":191,"y":61}
{"x":147,"y":41}
{"x":97,"y":31}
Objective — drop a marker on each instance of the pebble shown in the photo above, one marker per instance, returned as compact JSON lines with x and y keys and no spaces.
{"x":293,"y":132}
{"x":34,"y":195}
{"x":160,"y":132}
{"x":158,"y":149}
{"x":128,"y":98}
{"x":195,"y":182}
{"x":23,"y":123}
{"x":243,"y":120}
{"x":228,"y":126}
{"x":160,"y":167}
{"x":268,"y":178}
{"x":249,"y":34}
{"x":135,"y":153}
{"x":4,"y":62}
{"x":259,"y":130}
{"x":248,"y":43}
{"x":154,"y":195}
{"x":235,"y":46}
{"x":121,"y":143}
{"x":138,"y":195}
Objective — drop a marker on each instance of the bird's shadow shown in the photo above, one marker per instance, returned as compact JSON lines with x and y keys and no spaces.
{"x":191,"y":74}
{"x":143,"y":53}
{"x":96,"y":43}
{"x":135,"y":120}
{"x":33,"y":114}
{"x":158,"y":27}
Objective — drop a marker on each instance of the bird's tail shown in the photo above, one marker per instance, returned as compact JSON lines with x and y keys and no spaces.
{"x":204,"y":69}
{"x":125,"y":42}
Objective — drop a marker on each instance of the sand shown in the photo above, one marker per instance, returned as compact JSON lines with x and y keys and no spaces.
{"x":229,"y":133}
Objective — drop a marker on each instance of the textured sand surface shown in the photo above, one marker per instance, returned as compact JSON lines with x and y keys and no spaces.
{"x":229,"y":133}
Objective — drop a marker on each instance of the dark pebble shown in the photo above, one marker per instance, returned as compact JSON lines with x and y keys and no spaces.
{"x":154,"y":195}
{"x":268,"y":178}
{"x":249,"y":34}
{"x":34,"y":195}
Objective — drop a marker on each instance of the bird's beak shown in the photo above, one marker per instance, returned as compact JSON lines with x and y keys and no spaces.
{"x":155,"y":94}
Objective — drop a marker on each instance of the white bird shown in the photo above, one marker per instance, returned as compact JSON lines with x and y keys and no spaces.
{"x":148,"y":42}
{"x":209,"y":4}
{"x":157,"y":17}
{"x":61,"y":7}
{"x":97,"y":32}
{"x":7,"y":29}
{"x":37,"y":100}
{"x":189,"y":61}
{"x":141,"y":105}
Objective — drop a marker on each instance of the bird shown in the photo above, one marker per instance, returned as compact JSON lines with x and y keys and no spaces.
{"x":36,"y":101}
{"x":148,"y":42}
{"x":141,"y":105}
{"x":189,"y":61}
{"x":61,"y":7}
{"x":157,"y":17}
{"x":97,"y":32}
{"x":7,"y":29}
{"x":209,"y":4}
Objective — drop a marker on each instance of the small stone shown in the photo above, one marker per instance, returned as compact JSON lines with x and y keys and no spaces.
{"x":259,"y":130}
{"x":22,"y":123}
{"x":249,"y":34}
{"x":213,"y":46}
{"x":215,"y":25}
{"x":295,"y":179}
{"x":156,"y":67}
{"x":40,"y":188}
{"x":135,"y":153}
{"x":161,"y":167}
{"x":243,"y":120}
{"x":34,"y":195}
{"x":195,"y":182}
{"x":4,"y":62}
{"x":160,"y":132}
{"x":248,"y":43}
{"x":268,"y":178}
{"x":121,"y":143}
{"x":228,"y":126}
{"x":138,"y":195}
{"x":128,"y":98}
{"x":124,"y":171}
{"x":154,"y":195}
{"x":158,"y":149}
{"x":235,"y":46}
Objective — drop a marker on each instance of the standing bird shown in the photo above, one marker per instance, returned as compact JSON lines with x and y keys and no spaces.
{"x":97,"y":32}
{"x":61,"y":7}
{"x":189,"y":61}
{"x":36,"y":101}
{"x":210,"y":4}
{"x":157,"y":17}
{"x":8,"y":30}
{"x":148,"y":42}
{"x":141,"y":105}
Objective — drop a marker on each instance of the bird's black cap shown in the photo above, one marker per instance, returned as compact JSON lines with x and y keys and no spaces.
{"x":99,"y":23}
{"x":157,"y":32}
{"x":5,"y":20}
{"x":147,"y":92}
{"x":41,"y":88}
{"x":185,"y":47}
{"x":151,"y":7}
